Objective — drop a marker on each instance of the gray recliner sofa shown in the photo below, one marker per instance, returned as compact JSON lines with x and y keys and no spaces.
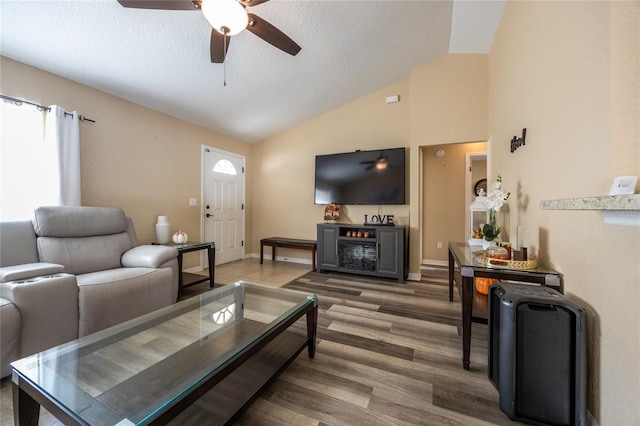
{"x":73,"y":271}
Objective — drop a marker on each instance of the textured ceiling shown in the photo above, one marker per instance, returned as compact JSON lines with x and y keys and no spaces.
{"x":160,"y":59}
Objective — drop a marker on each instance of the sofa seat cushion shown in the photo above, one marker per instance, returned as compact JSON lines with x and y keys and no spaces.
{"x":9,"y":335}
{"x":109,"y":297}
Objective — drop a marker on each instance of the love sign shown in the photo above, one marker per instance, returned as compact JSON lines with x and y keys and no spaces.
{"x":378,"y":219}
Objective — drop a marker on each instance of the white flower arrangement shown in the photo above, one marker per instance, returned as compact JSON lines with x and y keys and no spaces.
{"x":494,"y":201}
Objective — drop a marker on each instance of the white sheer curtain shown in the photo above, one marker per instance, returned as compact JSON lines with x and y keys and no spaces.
{"x":36,"y":170}
{"x":62,"y":130}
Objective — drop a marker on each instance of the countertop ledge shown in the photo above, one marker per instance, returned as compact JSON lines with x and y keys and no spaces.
{"x":605,"y":202}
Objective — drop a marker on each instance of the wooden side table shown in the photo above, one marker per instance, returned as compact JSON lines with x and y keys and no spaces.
{"x":190,"y":246}
{"x":463,"y":269}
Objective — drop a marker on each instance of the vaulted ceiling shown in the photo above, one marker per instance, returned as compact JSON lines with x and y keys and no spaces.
{"x":160,"y":59}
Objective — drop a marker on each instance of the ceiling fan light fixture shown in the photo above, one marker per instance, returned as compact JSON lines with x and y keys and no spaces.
{"x":228,"y":17}
{"x":381,"y":164}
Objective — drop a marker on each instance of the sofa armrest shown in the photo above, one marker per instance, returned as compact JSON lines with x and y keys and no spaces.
{"x":149,"y":256}
{"x":28,"y":270}
{"x":48,"y":309}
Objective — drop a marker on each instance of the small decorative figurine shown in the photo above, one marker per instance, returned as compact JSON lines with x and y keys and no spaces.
{"x":332,"y":213}
{"x":180,"y":237}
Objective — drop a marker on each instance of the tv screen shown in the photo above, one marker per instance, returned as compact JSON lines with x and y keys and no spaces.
{"x":361,"y":177}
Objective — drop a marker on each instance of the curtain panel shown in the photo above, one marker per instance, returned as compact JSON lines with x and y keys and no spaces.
{"x":39,"y":159}
{"x":62,"y":130}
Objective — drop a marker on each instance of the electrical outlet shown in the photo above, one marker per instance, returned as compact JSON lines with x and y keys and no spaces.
{"x":439,"y":245}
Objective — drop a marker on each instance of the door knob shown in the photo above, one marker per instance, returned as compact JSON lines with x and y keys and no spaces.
{"x":209,"y":215}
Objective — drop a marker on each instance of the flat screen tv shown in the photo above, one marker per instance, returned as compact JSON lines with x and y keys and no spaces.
{"x":361,"y":177}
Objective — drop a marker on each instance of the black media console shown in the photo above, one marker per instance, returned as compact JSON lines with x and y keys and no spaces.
{"x":379,"y":251}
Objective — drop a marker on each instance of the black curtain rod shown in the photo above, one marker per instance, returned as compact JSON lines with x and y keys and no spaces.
{"x":41,"y":107}
{"x":80,"y":117}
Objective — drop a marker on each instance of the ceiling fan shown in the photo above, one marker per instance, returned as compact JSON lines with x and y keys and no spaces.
{"x":379,"y":163}
{"x":227,"y":17}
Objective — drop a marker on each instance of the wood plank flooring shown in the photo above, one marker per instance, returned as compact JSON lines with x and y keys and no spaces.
{"x":388,"y":353}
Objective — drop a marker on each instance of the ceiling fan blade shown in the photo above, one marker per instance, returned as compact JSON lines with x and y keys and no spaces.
{"x":272,"y":35}
{"x":250,"y":3}
{"x":218,"y":47}
{"x":160,"y":4}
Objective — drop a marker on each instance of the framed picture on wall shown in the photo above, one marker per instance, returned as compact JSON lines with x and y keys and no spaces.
{"x":481,"y":184}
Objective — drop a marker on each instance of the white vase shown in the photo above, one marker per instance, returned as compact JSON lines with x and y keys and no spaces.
{"x":163,"y":228}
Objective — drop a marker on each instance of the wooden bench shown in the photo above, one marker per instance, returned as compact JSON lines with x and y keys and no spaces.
{"x":291,"y":243}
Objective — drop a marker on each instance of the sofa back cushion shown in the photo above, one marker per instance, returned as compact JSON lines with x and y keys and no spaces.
{"x":17,"y":243}
{"x":82,"y":239}
{"x":67,"y":222}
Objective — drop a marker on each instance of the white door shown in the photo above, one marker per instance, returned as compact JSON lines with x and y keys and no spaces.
{"x":223,"y":203}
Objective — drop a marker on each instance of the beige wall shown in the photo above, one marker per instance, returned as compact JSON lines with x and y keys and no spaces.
{"x":449,"y":100}
{"x":444,"y":203}
{"x":284,"y":172}
{"x":568,"y":72}
{"x":132,"y":157}
{"x":444,"y":101}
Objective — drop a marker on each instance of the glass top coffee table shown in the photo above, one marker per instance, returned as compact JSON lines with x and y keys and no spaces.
{"x":148,"y":370}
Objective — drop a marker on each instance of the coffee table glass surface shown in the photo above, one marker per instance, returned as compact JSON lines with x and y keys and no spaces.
{"x":134,"y":372}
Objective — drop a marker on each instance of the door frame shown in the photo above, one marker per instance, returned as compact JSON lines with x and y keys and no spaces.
{"x":469,"y":158}
{"x":203,"y":151}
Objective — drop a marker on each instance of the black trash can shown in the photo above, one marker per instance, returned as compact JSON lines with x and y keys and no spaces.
{"x":537,"y":354}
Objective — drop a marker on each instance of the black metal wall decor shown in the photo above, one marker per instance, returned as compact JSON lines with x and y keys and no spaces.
{"x":517,"y":142}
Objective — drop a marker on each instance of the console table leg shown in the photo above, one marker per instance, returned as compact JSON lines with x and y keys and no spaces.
{"x":467,"y":312}
{"x":451,"y":270}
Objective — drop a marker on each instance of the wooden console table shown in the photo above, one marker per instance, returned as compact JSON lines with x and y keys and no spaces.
{"x":291,"y":243}
{"x":463,"y":269}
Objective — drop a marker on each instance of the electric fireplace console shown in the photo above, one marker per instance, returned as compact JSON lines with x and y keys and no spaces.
{"x":379,"y":251}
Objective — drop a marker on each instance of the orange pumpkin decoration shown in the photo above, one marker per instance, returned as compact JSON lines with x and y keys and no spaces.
{"x":482,"y":284}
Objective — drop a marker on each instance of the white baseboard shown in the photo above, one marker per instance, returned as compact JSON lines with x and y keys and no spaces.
{"x":435,"y":262}
{"x":414,"y":277}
